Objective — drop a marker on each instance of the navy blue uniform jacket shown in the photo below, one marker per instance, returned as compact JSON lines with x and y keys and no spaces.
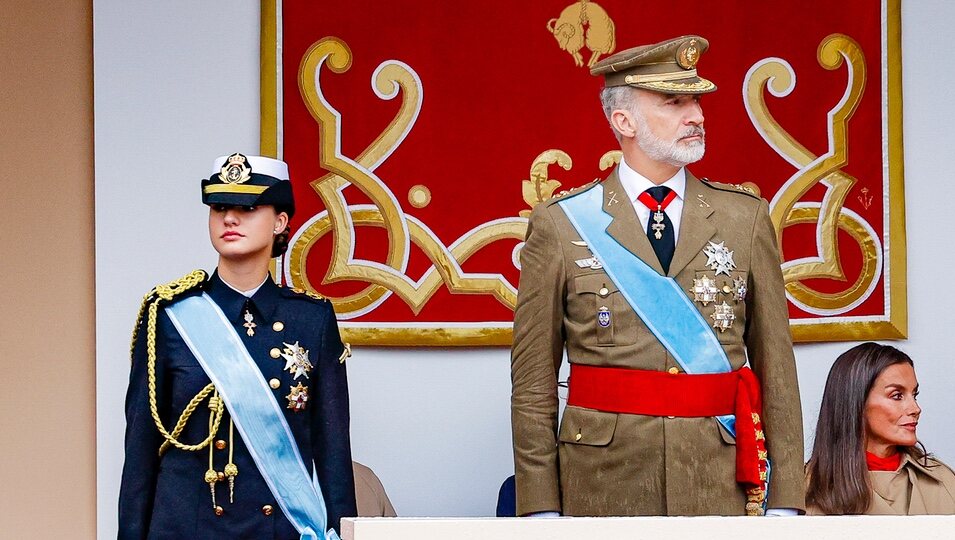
{"x":166,"y":497}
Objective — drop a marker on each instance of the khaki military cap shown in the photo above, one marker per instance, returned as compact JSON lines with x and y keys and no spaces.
{"x":668,"y":66}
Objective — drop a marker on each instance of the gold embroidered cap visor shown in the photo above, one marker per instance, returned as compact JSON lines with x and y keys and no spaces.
{"x":240,"y":180}
{"x":668,"y":67}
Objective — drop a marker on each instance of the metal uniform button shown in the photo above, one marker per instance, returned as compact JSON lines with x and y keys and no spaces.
{"x":727,"y":289}
{"x":673,"y":371}
{"x":219,"y":511}
{"x":220,"y":476}
{"x":578,"y":437}
{"x":278,"y":326}
{"x":603,"y":291}
{"x":267,"y":509}
{"x":275,"y":383}
{"x":220,"y":444}
{"x":275,"y":352}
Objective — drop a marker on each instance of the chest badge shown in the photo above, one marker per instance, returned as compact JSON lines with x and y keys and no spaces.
{"x":603,"y":316}
{"x":249,"y":323}
{"x":296,"y":360}
{"x":739,"y":289}
{"x":719,"y":258}
{"x":704,"y":290}
{"x":590,"y":262}
{"x":723,"y":316}
{"x":297,"y":397}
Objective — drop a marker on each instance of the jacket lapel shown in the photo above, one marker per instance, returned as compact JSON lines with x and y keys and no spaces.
{"x":625,"y":227}
{"x":695,"y":226}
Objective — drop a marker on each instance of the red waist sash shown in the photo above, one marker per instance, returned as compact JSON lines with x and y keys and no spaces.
{"x":657,"y":393}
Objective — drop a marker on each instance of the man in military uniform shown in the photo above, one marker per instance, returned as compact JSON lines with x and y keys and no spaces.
{"x":665,"y":292}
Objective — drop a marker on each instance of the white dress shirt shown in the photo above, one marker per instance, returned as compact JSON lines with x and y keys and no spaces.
{"x":249,"y":293}
{"x":635,"y":183}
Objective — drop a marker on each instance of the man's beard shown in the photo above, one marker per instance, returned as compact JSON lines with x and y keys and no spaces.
{"x":677,"y":153}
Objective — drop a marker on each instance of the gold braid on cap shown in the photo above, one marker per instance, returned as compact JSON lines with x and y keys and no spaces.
{"x":150,"y":306}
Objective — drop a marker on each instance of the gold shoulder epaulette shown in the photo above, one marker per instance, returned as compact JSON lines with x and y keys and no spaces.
{"x":167,"y":292}
{"x":747,"y":188}
{"x":310,"y":294}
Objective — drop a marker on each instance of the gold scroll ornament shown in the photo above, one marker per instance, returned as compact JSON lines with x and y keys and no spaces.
{"x":830,"y":216}
{"x":390,"y":79}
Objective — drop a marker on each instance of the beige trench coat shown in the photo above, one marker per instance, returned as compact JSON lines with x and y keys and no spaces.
{"x":913,"y":489}
{"x":600,"y":463}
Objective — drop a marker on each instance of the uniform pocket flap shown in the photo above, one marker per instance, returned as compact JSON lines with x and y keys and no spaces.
{"x":727,"y":437}
{"x":594,"y":284}
{"x":587,"y":426}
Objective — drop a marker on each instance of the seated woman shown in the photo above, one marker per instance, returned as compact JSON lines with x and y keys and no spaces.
{"x":866,"y":458}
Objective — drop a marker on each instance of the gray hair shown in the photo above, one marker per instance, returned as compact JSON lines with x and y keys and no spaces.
{"x":614,"y":98}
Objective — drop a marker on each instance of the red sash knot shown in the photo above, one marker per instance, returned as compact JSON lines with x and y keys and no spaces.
{"x":657,"y":393}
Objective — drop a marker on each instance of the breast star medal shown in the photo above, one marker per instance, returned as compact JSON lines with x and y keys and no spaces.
{"x":603,"y":316}
{"x":704,"y":290}
{"x":719,"y":258}
{"x":297,"y":397}
{"x":723,"y":316}
{"x":296,"y":360}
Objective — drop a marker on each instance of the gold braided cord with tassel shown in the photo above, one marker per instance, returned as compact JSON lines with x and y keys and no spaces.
{"x":150,"y":306}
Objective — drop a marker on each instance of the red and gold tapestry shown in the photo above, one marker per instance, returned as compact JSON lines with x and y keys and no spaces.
{"x":421,"y":134}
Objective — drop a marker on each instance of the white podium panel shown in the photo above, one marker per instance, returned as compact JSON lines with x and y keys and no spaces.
{"x":652,"y":528}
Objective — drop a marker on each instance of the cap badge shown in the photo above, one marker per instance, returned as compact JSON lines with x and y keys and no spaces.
{"x":235,"y":170}
{"x":688,"y":54}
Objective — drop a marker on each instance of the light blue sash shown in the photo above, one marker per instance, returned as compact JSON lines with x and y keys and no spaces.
{"x":658,"y":300}
{"x":219,"y":350}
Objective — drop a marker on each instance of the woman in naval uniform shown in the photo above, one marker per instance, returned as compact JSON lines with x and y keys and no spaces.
{"x":237,"y":422}
{"x":866,"y":458}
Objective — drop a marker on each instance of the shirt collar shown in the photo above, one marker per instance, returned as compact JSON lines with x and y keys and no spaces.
{"x":249,"y":293}
{"x":635,"y":183}
{"x":232,"y":302}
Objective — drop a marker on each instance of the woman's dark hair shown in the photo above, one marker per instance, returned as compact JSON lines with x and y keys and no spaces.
{"x":280,"y":242}
{"x":837,"y":471}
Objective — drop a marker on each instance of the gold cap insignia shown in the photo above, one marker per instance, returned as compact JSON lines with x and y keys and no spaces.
{"x":235,"y":170}
{"x":688,"y":54}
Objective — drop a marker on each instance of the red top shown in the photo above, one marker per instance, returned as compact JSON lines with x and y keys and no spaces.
{"x":876,"y":463}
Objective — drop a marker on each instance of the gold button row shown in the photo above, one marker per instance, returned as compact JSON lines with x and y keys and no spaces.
{"x":266,"y":510}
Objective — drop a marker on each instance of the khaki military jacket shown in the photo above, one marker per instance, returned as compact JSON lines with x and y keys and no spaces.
{"x":913,"y":489}
{"x":601,"y":463}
